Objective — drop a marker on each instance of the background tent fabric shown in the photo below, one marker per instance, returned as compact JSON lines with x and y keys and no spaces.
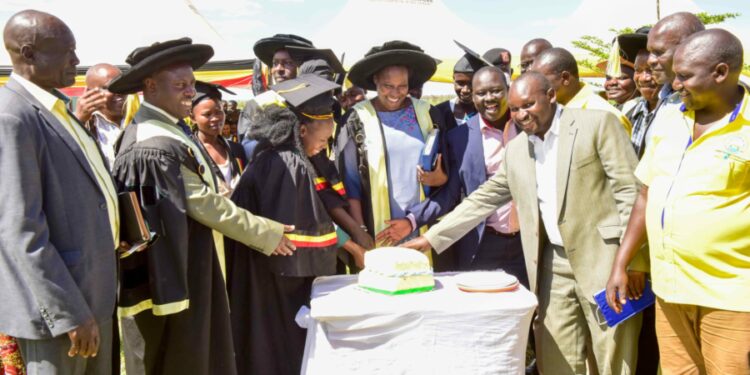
{"x":426,"y":23}
{"x":107,"y":30}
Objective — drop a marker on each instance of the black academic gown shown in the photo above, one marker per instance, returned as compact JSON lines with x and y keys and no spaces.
{"x":172,"y":295}
{"x":266,"y":292}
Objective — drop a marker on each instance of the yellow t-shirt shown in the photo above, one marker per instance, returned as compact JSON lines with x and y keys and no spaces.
{"x":586,"y":98}
{"x":698,"y":211}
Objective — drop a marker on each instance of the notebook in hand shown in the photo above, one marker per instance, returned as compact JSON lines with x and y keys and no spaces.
{"x":429,"y":155}
{"x":133,"y":227}
{"x":629,"y":309}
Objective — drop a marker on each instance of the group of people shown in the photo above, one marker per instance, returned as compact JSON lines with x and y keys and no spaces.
{"x":539,"y":176}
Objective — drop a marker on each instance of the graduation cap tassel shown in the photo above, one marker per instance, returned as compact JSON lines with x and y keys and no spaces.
{"x":613,"y":62}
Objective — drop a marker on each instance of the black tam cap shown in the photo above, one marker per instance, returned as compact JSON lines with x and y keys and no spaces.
{"x":495,"y":56}
{"x":303,"y":88}
{"x":265,"y":48}
{"x":305,"y":54}
{"x":318,"y":67}
{"x":470,"y":62}
{"x":631,"y":43}
{"x":208,"y":90}
{"x":145,"y":61}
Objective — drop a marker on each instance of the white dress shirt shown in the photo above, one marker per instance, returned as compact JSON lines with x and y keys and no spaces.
{"x":107,"y":133}
{"x":545,"y":154}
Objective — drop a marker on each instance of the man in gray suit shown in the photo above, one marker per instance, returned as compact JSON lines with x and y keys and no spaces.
{"x":58,"y":211}
{"x":571,"y":176}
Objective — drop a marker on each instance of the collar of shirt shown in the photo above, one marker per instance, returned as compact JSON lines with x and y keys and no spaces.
{"x":581,"y":96}
{"x":452,"y":103}
{"x":666,"y":91}
{"x":48,"y":99}
{"x":641,"y":109}
{"x":485,"y":127}
{"x":554,"y":129}
{"x":101,"y":118}
{"x":173,"y":119}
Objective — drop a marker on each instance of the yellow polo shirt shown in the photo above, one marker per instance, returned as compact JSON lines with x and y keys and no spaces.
{"x":698,"y":211}
{"x":88,"y":146}
{"x":586,"y":98}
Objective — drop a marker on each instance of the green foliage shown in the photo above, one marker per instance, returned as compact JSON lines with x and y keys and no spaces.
{"x":712,"y":19}
{"x":598,"y":48}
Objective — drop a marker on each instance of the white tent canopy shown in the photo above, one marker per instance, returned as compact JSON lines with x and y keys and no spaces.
{"x":426,"y":23}
{"x":107,"y":31}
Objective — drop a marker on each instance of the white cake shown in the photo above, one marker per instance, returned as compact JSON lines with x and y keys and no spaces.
{"x":396,"y":270}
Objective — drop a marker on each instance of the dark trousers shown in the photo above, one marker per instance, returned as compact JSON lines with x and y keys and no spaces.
{"x":648,"y":349}
{"x":501,"y":252}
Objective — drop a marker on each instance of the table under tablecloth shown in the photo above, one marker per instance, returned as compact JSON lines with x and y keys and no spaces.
{"x":445,"y":331}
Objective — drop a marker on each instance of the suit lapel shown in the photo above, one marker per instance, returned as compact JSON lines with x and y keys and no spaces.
{"x":527,"y":168}
{"x":59,"y":129}
{"x":475,"y":151}
{"x":566,"y":142}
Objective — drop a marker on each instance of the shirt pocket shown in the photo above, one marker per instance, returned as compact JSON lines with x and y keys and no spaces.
{"x":610,"y":232}
{"x":733,"y":171}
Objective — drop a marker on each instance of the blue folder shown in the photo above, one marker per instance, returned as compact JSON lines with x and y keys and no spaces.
{"x":429,"y":154}
{"x":629,"y":309}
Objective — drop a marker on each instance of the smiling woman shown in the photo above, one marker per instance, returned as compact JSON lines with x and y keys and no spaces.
{"x":382,"y":179}
{"x":228,"y":158}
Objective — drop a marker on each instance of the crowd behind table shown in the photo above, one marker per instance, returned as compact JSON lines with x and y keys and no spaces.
{"x":540,"y":176}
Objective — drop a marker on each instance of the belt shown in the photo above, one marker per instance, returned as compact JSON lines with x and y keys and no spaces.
{"x":490,"y":230}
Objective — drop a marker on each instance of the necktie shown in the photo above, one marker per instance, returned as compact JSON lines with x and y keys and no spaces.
{"x":185,"y":128}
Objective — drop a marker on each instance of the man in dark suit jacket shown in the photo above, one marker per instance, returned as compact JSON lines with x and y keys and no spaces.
{"x":474,"y":155}
{"x":58,"y":212}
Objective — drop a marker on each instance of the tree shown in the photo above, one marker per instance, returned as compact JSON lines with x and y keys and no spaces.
{"x":598,"y":48}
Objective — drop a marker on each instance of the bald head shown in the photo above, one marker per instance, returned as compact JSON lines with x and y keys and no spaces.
{"x":707,"y":68}
{"x":532,"y":82}
{"x":490,"y":72}
{"x":556,"y":60}
{"x":664,"y":37}
{"x":531,"y":50}
{"x":559,"y":67}
{"x":532,"y":103}
{"x":99,"y":75}
{"x":712,"y":47}
{"x":97,"y":79}
{"x":682,"y":24}
{"x":41,"y":48}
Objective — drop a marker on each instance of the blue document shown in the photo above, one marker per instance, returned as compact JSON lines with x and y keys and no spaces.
{"x":429,"y":155}
{"x":629,"y":309}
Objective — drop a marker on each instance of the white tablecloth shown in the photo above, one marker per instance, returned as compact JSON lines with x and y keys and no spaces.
{"x":445,"y":331}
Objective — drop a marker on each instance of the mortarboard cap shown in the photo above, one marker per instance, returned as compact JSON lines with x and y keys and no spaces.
{"x":470,"y":62}
{"x":303,"y":88}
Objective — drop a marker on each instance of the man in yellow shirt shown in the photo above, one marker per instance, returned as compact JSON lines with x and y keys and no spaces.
{"x":695,"y":205}
{"x":561,"y":69}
